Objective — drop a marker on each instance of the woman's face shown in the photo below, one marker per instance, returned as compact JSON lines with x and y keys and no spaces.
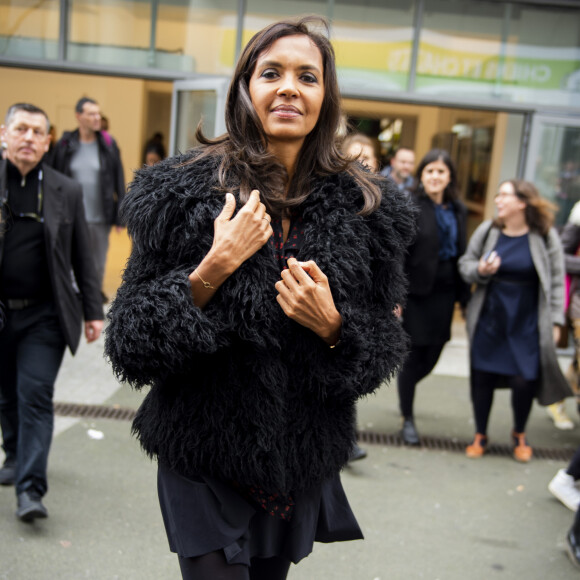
{"x":151,"y":158}
{"x":507,"y":202}
{"x":435,"y":177}
{"x":364,"y":154}
{"x":287,"y":89}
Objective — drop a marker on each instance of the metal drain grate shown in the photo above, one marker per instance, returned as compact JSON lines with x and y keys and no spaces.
{"x":390,"y":440}
{"x":454,"y":445}
{"x":94,"y":411}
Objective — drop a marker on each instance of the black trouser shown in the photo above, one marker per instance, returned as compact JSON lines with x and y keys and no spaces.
{"x":31,"y":350}
{"x":419,"y":363}
{"x":574,"y":466}
{"x":214,"y":566}
{"x":576,"y":526}
{"x":483,"y":385}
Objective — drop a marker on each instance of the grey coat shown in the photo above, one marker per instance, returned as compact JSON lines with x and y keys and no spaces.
{"x":548,"y":259}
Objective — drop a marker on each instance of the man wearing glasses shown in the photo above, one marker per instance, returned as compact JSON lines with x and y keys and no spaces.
{"x":48,"y":284}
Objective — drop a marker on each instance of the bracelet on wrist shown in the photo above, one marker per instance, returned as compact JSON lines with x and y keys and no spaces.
{"x":205,"y":284}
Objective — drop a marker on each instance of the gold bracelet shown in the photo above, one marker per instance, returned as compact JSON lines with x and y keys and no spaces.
{"x":205,"y":284}
{"x":335,"y":344}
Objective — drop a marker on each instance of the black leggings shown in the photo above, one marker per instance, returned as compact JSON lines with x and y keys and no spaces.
{"x":419,"y":363}
{"x":483,"y":385}
{"x":214,"y":566}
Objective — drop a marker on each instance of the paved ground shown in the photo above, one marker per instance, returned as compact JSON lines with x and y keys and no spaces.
{"x":425,"y":514}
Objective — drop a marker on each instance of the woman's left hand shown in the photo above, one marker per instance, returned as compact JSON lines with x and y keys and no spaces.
{"x":305,"y":296}
{"x":556,"y":333}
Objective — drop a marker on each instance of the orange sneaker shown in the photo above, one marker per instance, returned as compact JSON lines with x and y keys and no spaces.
{"x":522,"y":451}
{"x":478,"y":447}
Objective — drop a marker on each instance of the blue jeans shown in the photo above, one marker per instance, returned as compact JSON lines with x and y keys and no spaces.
{"x":31,"y":350}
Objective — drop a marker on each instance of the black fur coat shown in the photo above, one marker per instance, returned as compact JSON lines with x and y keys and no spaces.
{"x":238,"y":390}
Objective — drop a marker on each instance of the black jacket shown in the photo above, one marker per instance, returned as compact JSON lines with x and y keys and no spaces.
{"x":70,"y":261}
{"x":111,"y":174}
{"x":423,"y":257}
{"x":239,"y":391}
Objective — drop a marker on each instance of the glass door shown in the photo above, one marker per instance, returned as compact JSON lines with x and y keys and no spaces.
{"x":194,"y":101}
{"x":553,"y":164}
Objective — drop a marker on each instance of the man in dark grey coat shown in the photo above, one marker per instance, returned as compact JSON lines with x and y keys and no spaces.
{"x":91,"y":157}
{"x":48,"y":283}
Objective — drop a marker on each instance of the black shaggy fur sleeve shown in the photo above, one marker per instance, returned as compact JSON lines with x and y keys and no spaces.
{"x":154,"y":326}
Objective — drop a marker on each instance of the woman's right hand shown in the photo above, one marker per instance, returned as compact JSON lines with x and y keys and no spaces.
{"x":234,"y":241}
{"x":239,"y":238}
{"x":487,"y":268}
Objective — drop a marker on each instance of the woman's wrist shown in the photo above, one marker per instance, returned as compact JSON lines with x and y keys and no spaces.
{"x":332,"y":336}
{"x":207,"y":277}
{"x":215,"y":268}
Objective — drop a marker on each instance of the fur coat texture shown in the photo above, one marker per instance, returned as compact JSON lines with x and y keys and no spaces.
{"x":238,"y":390}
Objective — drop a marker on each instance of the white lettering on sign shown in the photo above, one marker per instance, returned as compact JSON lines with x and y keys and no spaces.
{"x":433,"y":64}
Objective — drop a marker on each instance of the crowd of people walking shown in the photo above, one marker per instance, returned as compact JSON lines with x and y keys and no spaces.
{"x":313,"y":278}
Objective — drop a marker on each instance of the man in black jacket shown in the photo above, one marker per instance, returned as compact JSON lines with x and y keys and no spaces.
{"x":91,"y":157}
{"x":48,"y":283}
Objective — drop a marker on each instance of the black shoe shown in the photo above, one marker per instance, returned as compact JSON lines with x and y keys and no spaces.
{"x":8,"y":473}
{"x":357,"y":453}
{"x":409,"y":433}
{"x":30,"y":507}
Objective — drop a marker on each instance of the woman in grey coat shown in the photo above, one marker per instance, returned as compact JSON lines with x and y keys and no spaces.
{"x":515,"y":315}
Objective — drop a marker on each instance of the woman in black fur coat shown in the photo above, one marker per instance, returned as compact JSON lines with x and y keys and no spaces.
{"x":258,"y":306}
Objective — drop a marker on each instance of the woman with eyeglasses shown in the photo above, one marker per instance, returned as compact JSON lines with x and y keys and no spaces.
{"x":515,"y":316}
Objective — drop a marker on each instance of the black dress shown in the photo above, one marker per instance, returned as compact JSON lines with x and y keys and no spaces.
{"x":506,"y":340}
{"x":204,"y":514}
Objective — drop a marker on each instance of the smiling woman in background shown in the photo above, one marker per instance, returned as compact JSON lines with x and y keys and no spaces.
{"x":515,"y":314}
{"x":434,"y":282}
{"x":258,"y":304}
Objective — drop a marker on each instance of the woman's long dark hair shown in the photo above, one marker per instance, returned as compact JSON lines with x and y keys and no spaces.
{"x":246,"y":164}
{"x":539,"y":212}
{"x":450,"y":193}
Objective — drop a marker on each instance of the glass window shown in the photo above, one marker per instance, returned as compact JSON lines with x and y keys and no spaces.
{"x":191,"y":107}
{"x":542,"y":62}
{"x":459,"y":48}
{"x":29,"y":29}
{"x":196,"y":100}
{"x":555,"y":147}
{"x":199,"y":33}
{"x":183,"y":35}
{"x":260,"y":13}
{"x":373,"y":44}
{"x":490,"y":50}
{"x":109,"y":32}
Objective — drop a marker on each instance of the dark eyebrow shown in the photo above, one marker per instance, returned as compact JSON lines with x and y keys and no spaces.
{"x":276,"y":64}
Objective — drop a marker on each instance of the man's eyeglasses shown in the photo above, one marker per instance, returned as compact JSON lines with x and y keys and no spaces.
{"x":22,"y":130}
